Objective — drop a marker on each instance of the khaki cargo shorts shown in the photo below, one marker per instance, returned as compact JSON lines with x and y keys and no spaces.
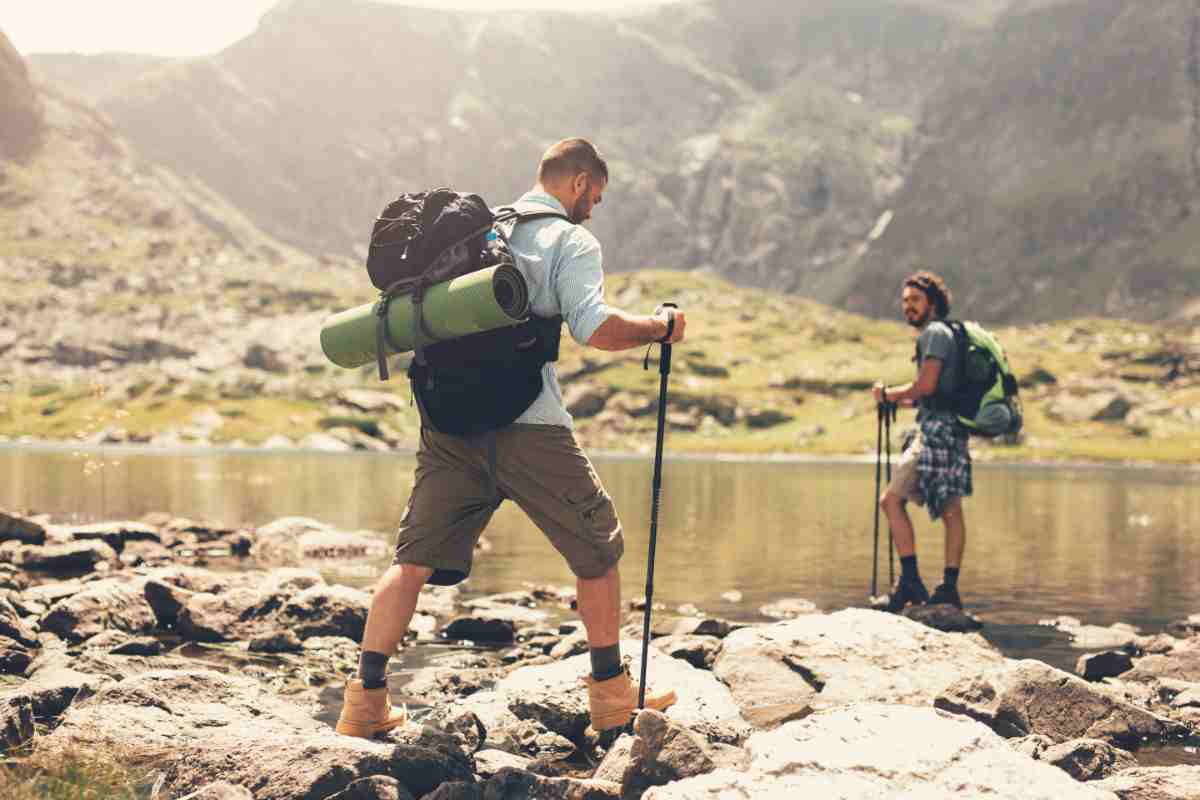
{"x":904,"y":477}
{"x":541,"y":468}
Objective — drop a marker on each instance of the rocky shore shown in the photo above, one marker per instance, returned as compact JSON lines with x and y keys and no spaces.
{"x":212,"y":656}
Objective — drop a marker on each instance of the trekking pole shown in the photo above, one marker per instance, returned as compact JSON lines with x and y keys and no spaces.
{"x":878,"y":465}
{"x":664,"y":369}
{"x":889,"y":414}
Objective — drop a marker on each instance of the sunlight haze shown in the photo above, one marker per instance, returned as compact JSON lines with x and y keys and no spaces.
{"x":187,"y":28}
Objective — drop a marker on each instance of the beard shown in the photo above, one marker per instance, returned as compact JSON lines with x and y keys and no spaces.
{"x":921,"y":321}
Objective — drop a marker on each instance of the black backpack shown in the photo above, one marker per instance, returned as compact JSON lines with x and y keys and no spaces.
{"x":475,"y":383}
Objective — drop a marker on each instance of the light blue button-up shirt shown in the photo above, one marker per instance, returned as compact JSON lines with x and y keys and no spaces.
{"x":561,"y":263}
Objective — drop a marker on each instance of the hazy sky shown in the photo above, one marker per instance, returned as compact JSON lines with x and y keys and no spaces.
{"x":188,"y":27}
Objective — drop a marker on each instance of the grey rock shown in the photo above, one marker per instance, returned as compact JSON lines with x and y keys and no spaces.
{"x":1033,"y":745}
{"x":327,"y":611}
{"x":14,"y":657}
{"x":944,"y":617}
{"x":1088,"y":759}
{"x":16,"y":721}
{"x":294,"y":755}
{"x":865,"y":751}
{"x":554,"y":694}
{"x":699,"y":651}
{"x":18,"y":528}
{"x":481,"y":629}
{"x":1154,"y":783}
{"x":789,"y":608}
{"x":1181,"y":664}
{"x":58,"y":558}
{"x":1097,"y":666}
{"x":232,"y":615}
{"x":1025,"y":697}
{"x":704,"y":626}
{"x":782,"y":671}
{"x":376,"y":787}
{"x":456,"y":790}
{"x":14,"y":627}
{"x":490,"y":760}
{"x":617,"y":761}
{"x":663,"y":752}
{"x":108,"y":604}
{"x":222,"y":791}
{"x":512,"y":784}
{"x":284,"y":641}
{"x":141,"y":646}
{"x":115,"y":534}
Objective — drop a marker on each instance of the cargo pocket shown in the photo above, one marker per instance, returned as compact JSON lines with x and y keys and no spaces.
{"x":597,"y":517}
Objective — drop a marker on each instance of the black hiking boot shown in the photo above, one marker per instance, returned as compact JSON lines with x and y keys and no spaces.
{"x":947,"y":595}
{"x":907,"y":592}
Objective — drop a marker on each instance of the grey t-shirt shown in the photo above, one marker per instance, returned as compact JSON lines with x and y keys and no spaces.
{"x":937,"y":341}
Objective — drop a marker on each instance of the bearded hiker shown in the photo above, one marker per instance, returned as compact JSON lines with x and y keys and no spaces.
{"x":535,"y":462}
{"x":935,"y":467}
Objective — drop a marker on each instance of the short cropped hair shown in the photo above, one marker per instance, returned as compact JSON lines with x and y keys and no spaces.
{"x":568,"y":158}
{"x":935,"y":291}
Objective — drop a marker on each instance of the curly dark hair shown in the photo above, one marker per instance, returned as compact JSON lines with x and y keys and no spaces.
{"x":935,"y":291}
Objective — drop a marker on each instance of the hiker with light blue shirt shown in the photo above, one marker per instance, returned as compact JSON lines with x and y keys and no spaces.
{"x":536,"y":462}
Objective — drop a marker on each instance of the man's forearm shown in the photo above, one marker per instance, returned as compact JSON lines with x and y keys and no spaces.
{"x":906,"y":393}
{"x":622,"y":331}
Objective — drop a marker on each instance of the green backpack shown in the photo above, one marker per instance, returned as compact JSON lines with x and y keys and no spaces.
{"x":985,"y":392}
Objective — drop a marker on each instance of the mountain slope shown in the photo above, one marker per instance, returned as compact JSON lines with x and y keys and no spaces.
{"x":20,"y":110}
{"x":1074,"y":187}
{"x":824,"y":147}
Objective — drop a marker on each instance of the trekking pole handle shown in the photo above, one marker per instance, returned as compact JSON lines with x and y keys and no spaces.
{"x":887,"y":408}
{"x":670,"y":308}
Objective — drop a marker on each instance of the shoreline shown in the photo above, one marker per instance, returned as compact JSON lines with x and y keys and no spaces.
{"x":1096,"y":465}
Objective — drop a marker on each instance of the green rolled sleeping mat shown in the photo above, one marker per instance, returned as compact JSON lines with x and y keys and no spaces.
{"x":478,"y":301}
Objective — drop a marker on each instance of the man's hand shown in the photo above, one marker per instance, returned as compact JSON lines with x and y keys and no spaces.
{"x":662,"y":315}
{"x":877,"y":391}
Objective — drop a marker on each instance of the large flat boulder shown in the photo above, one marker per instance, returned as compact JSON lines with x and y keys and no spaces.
{"x":782,"y":671}
{"x":869,"y":751}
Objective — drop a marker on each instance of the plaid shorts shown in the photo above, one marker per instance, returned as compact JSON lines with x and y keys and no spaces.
{"x":935,"y":466}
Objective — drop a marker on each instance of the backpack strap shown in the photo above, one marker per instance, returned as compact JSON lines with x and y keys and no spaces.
{"x":941,"y":402}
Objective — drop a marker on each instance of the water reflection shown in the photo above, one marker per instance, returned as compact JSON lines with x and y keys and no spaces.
{"x":1105,"y":545}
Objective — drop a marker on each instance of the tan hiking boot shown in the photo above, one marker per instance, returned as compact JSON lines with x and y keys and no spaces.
{"x":366,"y":712}
{"x":612,"y":702}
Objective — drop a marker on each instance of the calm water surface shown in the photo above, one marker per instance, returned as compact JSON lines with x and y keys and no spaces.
{"x":1105,"y":545}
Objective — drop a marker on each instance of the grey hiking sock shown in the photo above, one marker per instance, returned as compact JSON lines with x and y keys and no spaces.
{"x":951,"y":577}
{"x":908,"y":568}
{"x":372,"y":669}
{"x":606,"y":662}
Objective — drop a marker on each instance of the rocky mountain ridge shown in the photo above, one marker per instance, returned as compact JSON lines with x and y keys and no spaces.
{"x":823,"y":148}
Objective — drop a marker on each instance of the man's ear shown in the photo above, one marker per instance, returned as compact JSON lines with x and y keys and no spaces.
{"x":580,"y":184}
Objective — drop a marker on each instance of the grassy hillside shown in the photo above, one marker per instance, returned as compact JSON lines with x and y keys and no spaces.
{"x":759,"y":374}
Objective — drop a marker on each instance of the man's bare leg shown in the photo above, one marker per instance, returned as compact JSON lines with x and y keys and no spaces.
{"x":392,"y":609}
{"x":600,"y":608}
{"x":909,"y":589}
{"x":367,"y":708}
{"x":956,"y":542}
{"x":956,"y":532}
{"x":902,"y":528}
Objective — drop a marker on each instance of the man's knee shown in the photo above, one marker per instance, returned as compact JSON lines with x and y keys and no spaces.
{"x":891,"y":503}
{"x":404,"y":578}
